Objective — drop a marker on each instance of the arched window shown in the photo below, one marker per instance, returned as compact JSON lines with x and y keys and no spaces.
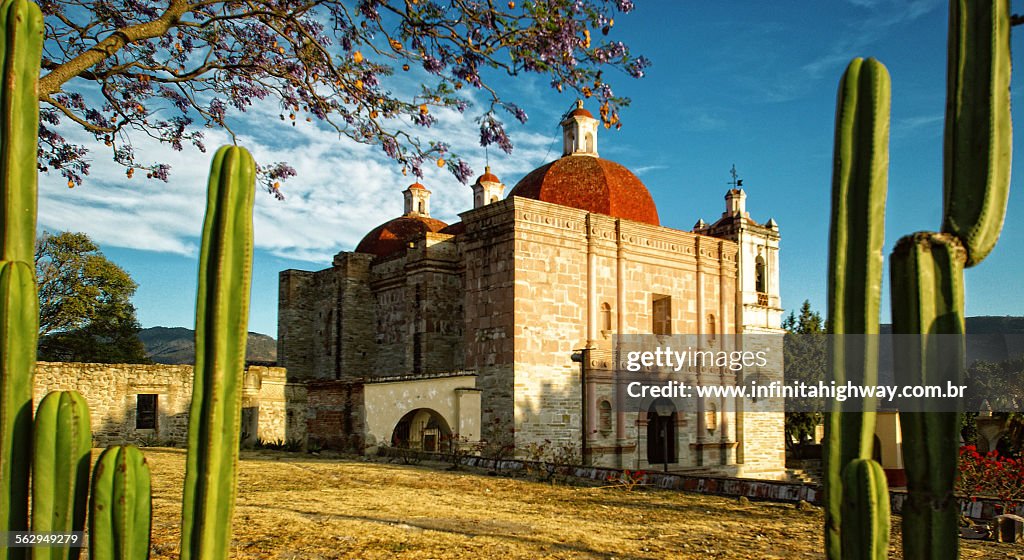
{"x":590,"y":143}
{"x":604,"y":416}
{"x":606,"y":317}
{"x":494,"y":199}
{"x":420,"y":207}
{"x":712,"y":329}
{"x":760,"y":277}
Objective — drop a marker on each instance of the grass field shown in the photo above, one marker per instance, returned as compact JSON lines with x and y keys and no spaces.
{"x":294,"y":506}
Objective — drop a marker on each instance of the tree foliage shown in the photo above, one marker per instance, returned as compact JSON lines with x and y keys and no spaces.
{"x":805,"y":355}
{"x":167,"y":69}
{"x":85,"y":309}
{"x":997,"y":386}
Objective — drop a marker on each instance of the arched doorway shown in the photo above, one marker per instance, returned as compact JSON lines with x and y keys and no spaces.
{"x":422,"y":428}
{"x":661,"y":432}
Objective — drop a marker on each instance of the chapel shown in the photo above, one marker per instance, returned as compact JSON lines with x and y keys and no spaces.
{"x":502,"y":325}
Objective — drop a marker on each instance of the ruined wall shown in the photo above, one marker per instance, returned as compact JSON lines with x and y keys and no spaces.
{"x":111,"y":391}
{"x":335,"y":417}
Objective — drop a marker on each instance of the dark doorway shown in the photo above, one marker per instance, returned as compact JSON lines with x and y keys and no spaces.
{"x":661,"y":432}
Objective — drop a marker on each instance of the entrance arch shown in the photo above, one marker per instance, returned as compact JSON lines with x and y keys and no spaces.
{"x":661,"y":432}
{"x":422,"y":428}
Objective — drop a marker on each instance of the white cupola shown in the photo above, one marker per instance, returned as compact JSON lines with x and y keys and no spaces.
{"x":579,"y":132}
{"x":417,"y":200}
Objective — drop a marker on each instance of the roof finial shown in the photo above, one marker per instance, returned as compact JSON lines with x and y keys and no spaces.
{"x":736,"y":182}
{"x":579,"y":103}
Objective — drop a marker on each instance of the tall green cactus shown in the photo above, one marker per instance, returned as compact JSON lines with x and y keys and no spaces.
{"x":120,"y":506}
{"x":21,"y":23}
{"x":927,"y":270}
{"x":60,"y":469}
{"x":859,"y":182}
{"x":978,"y":137}
{"x":222,"y":313}
{"x":927,"y":299}
{"x":866,"y":534}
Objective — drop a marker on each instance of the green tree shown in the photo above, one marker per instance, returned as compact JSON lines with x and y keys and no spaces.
{"x":1000,"y":386}
{"x":85,"y":309}
{"x":804,"y":352}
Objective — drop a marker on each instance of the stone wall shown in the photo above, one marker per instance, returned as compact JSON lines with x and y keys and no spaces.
{"x":112,"y":390}
{"x":335,"y":416}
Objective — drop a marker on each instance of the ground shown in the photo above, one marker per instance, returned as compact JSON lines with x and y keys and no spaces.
{"x":295,"y":506}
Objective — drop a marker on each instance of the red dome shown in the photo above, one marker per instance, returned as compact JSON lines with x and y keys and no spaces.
{"x":591,"y":184}
{"x":391,"y":237}
{"x":581,"y":112}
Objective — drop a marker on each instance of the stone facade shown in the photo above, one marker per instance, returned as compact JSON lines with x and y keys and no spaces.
{"x":118,"y":394}
{"x":510,"y":293}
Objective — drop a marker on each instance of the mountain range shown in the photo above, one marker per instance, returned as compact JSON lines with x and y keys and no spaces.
{"x":176,"y":345}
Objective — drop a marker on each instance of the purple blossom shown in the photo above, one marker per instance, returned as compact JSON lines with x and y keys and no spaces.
{"x":463,"y":172}
{"x":432,"y":65}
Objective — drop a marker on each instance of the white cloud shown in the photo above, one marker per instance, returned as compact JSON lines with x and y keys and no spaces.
{"x":343,"y":188}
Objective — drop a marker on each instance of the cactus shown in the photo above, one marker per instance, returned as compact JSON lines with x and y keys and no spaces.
{"x":927,"y":277}
{"x":60,"y":469}
{"x":855,"y":267}
{"x":978,"y":137}
{"x":866,"y":498}
{"x":21,"y":23}
{"x":222,"y":310}
{"x":120,"y":506}
{"x":927,"y":297}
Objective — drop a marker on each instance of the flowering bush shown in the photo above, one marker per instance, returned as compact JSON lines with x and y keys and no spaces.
{"x":990,"y":475}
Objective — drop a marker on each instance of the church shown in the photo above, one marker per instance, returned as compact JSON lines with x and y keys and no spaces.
{"x":502,"y":325}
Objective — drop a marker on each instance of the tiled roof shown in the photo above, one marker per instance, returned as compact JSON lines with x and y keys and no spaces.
{"x":591,"y":184}
{"x":392,"y":236}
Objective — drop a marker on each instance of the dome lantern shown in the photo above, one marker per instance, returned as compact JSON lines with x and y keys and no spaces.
{"x":579,"y":132}
{"x":417,"y":200}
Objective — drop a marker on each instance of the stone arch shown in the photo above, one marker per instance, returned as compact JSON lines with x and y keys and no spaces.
{"x":422,"y":428}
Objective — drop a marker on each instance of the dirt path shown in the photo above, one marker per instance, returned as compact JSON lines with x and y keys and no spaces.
{"x":293,"y":506}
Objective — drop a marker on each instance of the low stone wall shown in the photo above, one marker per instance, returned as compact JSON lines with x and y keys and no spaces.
{"x":771,"y":490}
{"x":112,"y":393}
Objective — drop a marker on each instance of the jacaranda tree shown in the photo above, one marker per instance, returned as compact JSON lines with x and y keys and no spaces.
{"x":122,"y":68}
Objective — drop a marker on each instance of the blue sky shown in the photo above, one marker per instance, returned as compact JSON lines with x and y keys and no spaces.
{"x":745,"y":83}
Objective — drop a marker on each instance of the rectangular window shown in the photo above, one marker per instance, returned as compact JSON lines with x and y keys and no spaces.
{"x":661,"y":315}
{"x":145,"y":412}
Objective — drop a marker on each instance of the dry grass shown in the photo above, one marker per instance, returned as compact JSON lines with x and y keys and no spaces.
{"x":293,"y":506}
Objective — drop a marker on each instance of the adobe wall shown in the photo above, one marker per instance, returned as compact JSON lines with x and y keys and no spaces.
{"x":111,"y":391}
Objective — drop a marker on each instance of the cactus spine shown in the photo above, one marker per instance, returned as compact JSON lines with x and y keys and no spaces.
{"x":222,"y":313}
{"x":978,"y":136}
{"x":60,"y":469}
{"x":866,"y":534}
{"x":859,"y":183}
{"x":120,"y":506}
{"x":20,"y":50}
{"x":927,"y":298}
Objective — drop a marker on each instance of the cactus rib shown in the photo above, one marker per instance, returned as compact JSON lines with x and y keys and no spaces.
{"x":978,"y":136}
{"x":120,"y":507}
{"x":60,"y":469}
{"x":927,"y":299}
{"x":859,"y":183}
{"x":222,"y":307}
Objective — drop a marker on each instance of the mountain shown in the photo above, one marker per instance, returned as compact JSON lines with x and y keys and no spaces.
{"x":176,"y":345}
